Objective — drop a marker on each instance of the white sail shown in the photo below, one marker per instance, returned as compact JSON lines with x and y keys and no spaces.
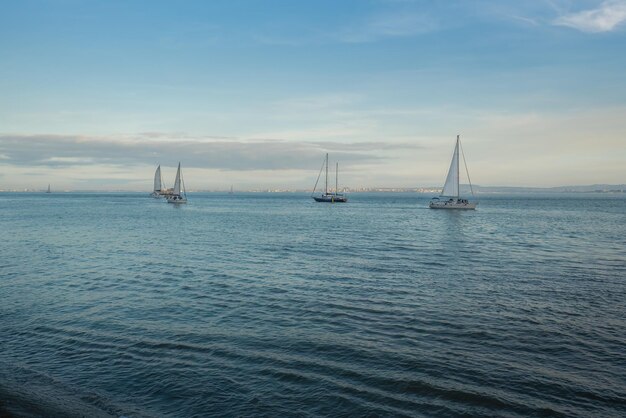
{"x":451,"y":188}
{"x":157,"y":179}
{"x":177,"y":182}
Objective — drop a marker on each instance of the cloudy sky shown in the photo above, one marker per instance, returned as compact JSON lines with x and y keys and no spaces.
{"x":95,"y":94}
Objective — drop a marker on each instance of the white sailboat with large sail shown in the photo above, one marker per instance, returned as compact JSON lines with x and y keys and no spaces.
{"x":179,"y":194}
{"x":329,"y":197}
{"x":450,"y":197}
{"x":158,"y":184}
{"x":48,"y":191}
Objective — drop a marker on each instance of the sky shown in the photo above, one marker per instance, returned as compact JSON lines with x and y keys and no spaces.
{"x":95,"y":94}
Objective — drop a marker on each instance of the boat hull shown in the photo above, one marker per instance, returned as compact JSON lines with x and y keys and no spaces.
{"x":330,"y":199}
{"x":176,"y":200}
{"x":452,"y":204}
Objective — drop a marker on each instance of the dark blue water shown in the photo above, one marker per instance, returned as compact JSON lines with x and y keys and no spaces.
{"x":273,"y":305}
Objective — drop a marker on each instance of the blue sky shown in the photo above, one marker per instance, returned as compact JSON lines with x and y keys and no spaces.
{"x":253,"y":93}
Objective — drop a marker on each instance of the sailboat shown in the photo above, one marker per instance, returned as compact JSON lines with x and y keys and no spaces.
{"x":231,"y":189}
{"x":158,"y":184}
{"x":176,"y":196}
{"x":450,"y":196}
{"x":48,"y":191}
{"x":329,"y":197}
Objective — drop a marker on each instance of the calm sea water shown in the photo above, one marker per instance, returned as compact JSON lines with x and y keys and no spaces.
{"x":273,"y":305}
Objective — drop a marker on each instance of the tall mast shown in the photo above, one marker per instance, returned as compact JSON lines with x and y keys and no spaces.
{"x":456,"y":151}
{"x":326,"y":186}
{"x":336,"y":179}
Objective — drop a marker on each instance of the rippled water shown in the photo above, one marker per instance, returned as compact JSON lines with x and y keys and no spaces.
{"x":273,"y":305}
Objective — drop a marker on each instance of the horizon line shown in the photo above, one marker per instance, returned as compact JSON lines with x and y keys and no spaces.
{"x":603,"y":187}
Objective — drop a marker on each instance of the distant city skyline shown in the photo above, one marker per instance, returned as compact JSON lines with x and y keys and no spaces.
{"x":253,"y":94}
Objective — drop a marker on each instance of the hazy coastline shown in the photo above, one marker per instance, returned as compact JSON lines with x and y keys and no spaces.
{"x":594,"y":188}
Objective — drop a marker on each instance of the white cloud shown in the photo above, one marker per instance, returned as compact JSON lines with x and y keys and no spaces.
{"x":372,"y":28}
{"x":605,"y":18}
{"x":67,"y":161}
{"x":234,"y":154}
{"x":393,"y":25}
{"x":411,"y":147}
{"x":127,"y":162}
{"x":526,"y":20}
{"x":317,"y":102}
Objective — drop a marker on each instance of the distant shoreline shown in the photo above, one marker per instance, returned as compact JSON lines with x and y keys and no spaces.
{"x":604,"y":189}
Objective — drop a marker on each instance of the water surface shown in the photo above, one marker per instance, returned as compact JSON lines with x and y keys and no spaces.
{"x":273,"y":305}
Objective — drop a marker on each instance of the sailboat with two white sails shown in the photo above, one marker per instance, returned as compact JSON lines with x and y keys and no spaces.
{"x":450,"y":197}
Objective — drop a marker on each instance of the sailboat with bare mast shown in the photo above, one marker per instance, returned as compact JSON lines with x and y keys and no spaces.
{"x":329,"y":197}
{"x":450,"y":193}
